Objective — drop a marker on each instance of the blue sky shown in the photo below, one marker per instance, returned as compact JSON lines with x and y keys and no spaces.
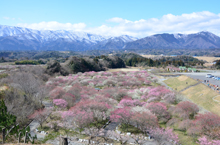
{"x":114,"y":17}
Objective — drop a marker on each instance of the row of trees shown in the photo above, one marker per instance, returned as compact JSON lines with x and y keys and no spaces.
{"x":132,"y":59}
{"x":32,"y":62}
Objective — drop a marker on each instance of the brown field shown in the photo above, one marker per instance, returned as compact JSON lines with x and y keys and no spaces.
{"x":208,"y":59}
{"x":218,"y":98}
{"x":124,"y":69}
{"x":150,"y":56}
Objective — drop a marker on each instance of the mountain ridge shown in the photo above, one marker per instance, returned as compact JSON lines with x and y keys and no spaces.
{"x":19,"y":38}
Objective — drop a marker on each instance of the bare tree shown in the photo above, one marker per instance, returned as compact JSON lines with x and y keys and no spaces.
{"x":27,"y":83}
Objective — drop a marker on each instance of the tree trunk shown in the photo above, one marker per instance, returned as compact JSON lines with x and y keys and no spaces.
{"x":3,"y":135}
{"x":25,"y":137}
{"x":63,"y":141}
{"x":19,"y":137}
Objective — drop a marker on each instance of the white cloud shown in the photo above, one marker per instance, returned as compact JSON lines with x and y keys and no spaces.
{"x":53,"y":25}
{"x":8,"y":18}
{"x":117,"y":20}
{"x":185,"y":23}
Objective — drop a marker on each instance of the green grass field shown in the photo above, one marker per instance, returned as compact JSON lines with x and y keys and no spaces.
{"x":179,"y":83}
{"x":202,"y":96}
{"x":199,"y":94}
{"x":185,"y":139}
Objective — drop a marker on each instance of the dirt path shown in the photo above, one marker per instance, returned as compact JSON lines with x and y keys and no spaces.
{"x":190,"y":87}
{"x":216,"y":100}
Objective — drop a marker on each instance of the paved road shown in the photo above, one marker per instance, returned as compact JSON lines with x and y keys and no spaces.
{"x":202,"y":76}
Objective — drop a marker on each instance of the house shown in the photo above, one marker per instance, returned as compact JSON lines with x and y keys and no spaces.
{"x":182,"y":68}
{"x":194,"y":70}
{"x":189,"y":69}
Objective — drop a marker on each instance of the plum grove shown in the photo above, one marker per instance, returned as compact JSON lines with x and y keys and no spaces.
{"x":86,"y":101}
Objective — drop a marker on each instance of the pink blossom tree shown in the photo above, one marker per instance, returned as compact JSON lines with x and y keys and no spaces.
{"x":170,"y":98}
{"x":57,"y":93}
{"x":160,"y":110}
{"x":83,"y":118}
{"x":128,"y":102}
{"x":186,"y":110}
{"x":144,"y":120}
{"x":205,"y":141}
{"x":161,"y":134}
{"x":60,"y":103}
{"x":70,"y":99}
{"x":122,"y":115}
{"x":99,"y":111}
{"x":209,"y":123}
{"x":185,"y":124}
{"x":40,"y":115}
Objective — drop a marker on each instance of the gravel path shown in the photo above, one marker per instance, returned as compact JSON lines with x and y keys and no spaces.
{"x":35,"y":124}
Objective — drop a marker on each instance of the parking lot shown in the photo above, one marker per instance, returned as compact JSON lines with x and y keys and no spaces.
{"x":202,"y":76}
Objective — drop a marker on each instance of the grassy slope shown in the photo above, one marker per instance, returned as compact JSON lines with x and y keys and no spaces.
{"x":217,"y":98}
{"x":180,"y":82}
{"x":194,"y":94}
{"x":202,"y":95}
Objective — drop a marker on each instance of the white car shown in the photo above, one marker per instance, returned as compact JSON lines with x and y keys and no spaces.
{"x":209,"y":75}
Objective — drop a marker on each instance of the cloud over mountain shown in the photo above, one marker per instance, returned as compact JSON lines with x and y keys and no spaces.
{"x":185,"y":23}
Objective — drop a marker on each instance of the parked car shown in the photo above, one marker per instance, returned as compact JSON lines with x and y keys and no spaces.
{"x":209,"y":75}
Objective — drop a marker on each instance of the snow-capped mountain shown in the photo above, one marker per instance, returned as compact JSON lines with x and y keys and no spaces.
{"x":18,"y":38}
{"x":47,"y":35}
{"x":114,"y":43}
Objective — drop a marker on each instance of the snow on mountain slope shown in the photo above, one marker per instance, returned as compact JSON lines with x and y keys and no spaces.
{"x":47,"y":35}
{"x":11,"y":37}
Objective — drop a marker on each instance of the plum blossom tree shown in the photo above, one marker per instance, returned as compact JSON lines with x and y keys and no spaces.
{"x":57,"y":93}
{"x":209,"y":123}
{"x":194,"y":130}
{"x":83,"y":118}
{"x":186,"y":110}
{"x":128,"y":102}
{"x":60,"y":103}
{"x":160,"y":110}
{"x":170,"y":98}
{"x":144,"y":120}
{"x":40,"y":115}
{"x":161,"y":134}
{"x":98,"y":112}
{"x":185,"y":124}
{"x":122,"y":115}
{"x":70,"y":99}
{"x":205,"y":141}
